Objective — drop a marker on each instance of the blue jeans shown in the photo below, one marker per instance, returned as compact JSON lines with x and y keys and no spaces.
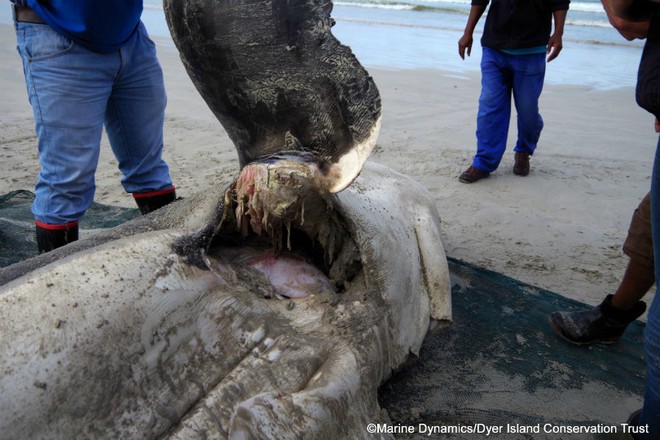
{"x":651,"y":410}
{"x":74,"y":92}
{"x":502,"y":75}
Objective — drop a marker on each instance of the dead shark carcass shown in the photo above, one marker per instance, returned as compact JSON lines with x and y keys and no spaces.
{"x":153,"y":336}
{"x":274,"y":309}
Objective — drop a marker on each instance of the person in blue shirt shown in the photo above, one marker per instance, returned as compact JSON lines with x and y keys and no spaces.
{"x":88,"y":65}
{"x":516,"y":39}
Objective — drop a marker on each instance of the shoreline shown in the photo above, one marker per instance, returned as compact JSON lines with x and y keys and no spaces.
{"x":560,"y":228}
{"x":595,"y":56}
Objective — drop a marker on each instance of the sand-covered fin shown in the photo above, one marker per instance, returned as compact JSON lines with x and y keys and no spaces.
{"x":433,"y":260}
{"x":420,"y":258}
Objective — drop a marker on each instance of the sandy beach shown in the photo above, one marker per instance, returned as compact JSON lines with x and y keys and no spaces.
{"x":561,"y":228}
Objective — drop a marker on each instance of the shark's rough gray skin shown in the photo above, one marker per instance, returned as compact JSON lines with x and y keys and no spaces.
{"x":279,"y":81}
{"x":158,"y":335}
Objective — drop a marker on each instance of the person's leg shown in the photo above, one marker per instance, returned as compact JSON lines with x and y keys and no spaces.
{"x":134,"y":123}
{"x":529,"y":74}
{"x":51,"y":237}
{"x":68,"y":88}
{"x":639,"y":276}
{"x":636,"y":282}
{"x":650,"y":414}
{"x":606,"y":322}
{"x":494,"y":110}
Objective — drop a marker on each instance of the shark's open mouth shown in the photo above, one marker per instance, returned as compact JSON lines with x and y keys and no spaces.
{"x":283,"y":231}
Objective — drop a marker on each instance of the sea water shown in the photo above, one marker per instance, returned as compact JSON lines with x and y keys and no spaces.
{"x":412,"y":34}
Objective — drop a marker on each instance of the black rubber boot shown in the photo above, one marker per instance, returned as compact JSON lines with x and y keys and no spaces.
{"x":152,"y":201}
{"x":602,"y":324}
{"x":51,"y":237}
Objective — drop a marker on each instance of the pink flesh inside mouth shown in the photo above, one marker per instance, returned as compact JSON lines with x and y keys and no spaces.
{"x":268,"y":205}
{"x":289,"y":274}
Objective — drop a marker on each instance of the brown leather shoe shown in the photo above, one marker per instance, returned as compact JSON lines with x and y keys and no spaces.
{"x":472,"y":174}
{"x":521,"y":166}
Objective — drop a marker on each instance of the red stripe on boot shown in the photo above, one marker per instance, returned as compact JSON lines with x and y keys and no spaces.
{"x":153,"y":193}
{"x":55,"y":227}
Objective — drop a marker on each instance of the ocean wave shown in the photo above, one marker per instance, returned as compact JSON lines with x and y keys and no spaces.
{"x":596,"y":8}
{"x":582,"y":6}
{"x":153,"y":6}
{"x":459,"y":29}
{"x":596,"y":18}
{"x":593,"y":7}
{"x":584,"y":14}
{"x":592,"y":23}
{"x":369,"y":22}
{"x":379,"y":5}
